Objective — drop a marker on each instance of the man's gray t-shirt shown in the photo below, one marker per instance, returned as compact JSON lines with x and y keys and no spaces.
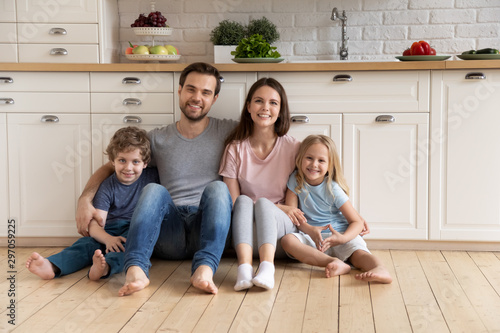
{"x":187,"y":166}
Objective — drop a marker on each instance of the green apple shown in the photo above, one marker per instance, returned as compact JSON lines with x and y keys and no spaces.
{"x":171,"y":49}
{"x":158,"y":49}
{"x":141,"y":49}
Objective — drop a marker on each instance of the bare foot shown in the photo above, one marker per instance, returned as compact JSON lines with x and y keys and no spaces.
{"x":40,"y":266}
{"x":99,"y":266}
{"x":135,"y":280}
{"x":377,"y":274}
{"x":202,"y":279}
{"x":336,"y":267}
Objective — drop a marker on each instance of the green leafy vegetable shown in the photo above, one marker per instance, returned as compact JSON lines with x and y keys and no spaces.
{"x":255,"y":46}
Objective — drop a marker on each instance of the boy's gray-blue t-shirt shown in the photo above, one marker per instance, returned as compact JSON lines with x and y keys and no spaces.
{"x":118,"y":199}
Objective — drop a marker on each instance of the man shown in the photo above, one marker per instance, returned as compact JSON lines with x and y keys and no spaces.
{"x":189,"y":214}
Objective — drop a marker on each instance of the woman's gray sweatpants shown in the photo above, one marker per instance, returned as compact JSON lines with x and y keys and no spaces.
{"x":260,"y":223}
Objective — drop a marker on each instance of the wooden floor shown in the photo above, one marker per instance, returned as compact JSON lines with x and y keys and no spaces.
{"x":433,"y":291}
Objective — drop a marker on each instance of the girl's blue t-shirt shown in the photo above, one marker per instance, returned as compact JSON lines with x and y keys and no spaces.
{"x":318,"y":205}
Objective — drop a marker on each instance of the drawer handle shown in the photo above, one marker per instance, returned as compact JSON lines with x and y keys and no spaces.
{"x":7,"y":100}
{"x":385,"y":119}
{"x":58,"y":31}
{"x":6,"y":79}
{"x":475,"y":76}
{"x":49,"y":119}
{"x":58,"y":51}
{"x":132,"y":119}
{"x":132,"y":101}
{"x":221,"y":79}
{"x":300,"y":119}
{"x":131,"y":80}
{"x":342,"y":78}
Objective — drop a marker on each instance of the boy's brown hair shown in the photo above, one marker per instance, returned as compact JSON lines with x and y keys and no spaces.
{"x":127,"y":139}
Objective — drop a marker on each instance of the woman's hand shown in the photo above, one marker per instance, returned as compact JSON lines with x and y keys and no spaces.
{"x":115,"y":244}
{"x":366,"y":228}
{"x":296,"y":215}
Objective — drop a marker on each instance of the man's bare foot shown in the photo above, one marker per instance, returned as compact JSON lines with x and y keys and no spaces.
{"x":135,"y":280}
{"x":202,"y":279}
{"x":377,"y":274}
{"x":40,"y":266}
{"x":336,"y":267}
{"x":99,"y":266}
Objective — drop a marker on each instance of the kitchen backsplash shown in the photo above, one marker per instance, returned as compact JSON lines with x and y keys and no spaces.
{"x":377,"y":29}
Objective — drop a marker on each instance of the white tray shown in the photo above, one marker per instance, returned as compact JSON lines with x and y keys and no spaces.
{"x":152,"y":31}
{"x":154,"y":57}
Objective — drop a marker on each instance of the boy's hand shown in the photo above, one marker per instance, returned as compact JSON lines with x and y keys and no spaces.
{"x":335,"y":239}
{"x":115,"y":244}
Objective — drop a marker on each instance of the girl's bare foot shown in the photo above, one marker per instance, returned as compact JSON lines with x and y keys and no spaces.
{"x":336,"y":267}
{"x":377,"y":274}
{"x":99,"y":266}
{"x":202,"y":279}
{"x":135,"y":280}
{"x":40,"y":266}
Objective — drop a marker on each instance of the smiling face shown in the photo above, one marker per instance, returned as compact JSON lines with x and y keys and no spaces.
{"x":315,"y":164}
{"x":197,"y":95}
{"x":128,"y":166}
{"x":264,"y":107}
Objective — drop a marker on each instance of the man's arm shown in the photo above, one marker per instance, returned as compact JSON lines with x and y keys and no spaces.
{"x":85,"y":211}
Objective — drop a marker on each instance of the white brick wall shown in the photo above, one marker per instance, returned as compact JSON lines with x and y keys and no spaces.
{"x":377,"y":29}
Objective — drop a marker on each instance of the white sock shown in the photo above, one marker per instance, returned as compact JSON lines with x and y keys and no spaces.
{"x":244,"y":278}
{"x":265,"y":275}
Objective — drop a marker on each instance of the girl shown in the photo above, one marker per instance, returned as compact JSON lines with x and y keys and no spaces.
{"x":256,"y":164}
{"x":331,"y":234}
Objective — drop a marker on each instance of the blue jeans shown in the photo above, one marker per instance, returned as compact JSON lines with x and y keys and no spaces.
{"x":79,"y":255}
{"x":179,"y":232}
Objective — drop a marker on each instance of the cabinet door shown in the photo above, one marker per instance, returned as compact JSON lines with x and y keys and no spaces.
{"x":49,"y":165}
{"x":4,"y":180}
{"x":231,"y":97}
{"x":72,"y":11}
{"x":465,"y":156}
{"x":327,"y":124}
{"x":385,"y":164}
{"x":105,"y":125}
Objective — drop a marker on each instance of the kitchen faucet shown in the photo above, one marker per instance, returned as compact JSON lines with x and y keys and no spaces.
{"x":343,"y":49}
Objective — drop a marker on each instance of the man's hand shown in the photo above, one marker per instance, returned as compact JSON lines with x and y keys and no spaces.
{"x":85,"y":212}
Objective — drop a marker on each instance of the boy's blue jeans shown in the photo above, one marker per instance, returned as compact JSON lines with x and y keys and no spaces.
{"x":79,"y":255}
{"x":179,"y":232}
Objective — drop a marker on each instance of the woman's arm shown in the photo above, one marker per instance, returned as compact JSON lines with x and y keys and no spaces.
{"x":233,"y":186}
{"x":291,"y":209}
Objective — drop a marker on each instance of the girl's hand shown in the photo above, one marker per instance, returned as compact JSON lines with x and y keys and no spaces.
{"x":335,"y":239}
{"x":296,"y":215}
{"x":115,"y":244}
{"x":315,"y":234}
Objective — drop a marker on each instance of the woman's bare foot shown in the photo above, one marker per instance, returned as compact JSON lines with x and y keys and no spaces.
{"x":135,"y":280}
{"x":99,"y":266}
{"x":202,"y":279}
{"x":40,"y":266}
{"x":336,"y":267}
{"x":377,"y":274}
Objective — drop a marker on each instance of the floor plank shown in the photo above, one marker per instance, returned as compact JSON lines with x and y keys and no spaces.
{"x":489,"y":264}
{"x":356,"y":313}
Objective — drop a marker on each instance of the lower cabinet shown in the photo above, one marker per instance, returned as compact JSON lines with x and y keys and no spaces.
{"x":385,"y":165}
{"x":4,"y":177}
{"x":330,"y":125}
{"x":49,"y":165}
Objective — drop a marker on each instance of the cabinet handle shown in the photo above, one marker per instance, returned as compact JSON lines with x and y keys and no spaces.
{"x":342,"y":77}
{"x":131,"y":80}
{"x":385,"y":119}
{"x":49,"y":119}
{"x":475,"y":76}
{"x":221,"y":79}
{"x":132,"y":119}
{"x":58,"y":31}
{"x":7,"y":100}
{"x":132,"y":101}
{"x":58,"y":51}
{"x":6,"y":79}
{"x":300,"y":119}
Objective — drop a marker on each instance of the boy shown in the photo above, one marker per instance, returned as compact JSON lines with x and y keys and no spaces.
{"x":129,"y":152}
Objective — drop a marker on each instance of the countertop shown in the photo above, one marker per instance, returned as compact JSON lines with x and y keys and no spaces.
{"x":267,"y":67}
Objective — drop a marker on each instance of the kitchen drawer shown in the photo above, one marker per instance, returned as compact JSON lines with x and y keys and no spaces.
{"x":131,"y":82}
{"x":8,"y":11}
{"x":67,"y":11}
{"x":339,"y":92}
{"x":75,"y":53}
{"x":130,"y":103}
{"x":58,"y":33}
{"x":8,"y":54}
{"x":44,"y":102}
{"x":8,"y":33}
{"x":44,"y":81}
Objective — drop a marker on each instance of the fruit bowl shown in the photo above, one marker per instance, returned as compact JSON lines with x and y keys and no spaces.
{"x":152,"y":31}
{"x":154,"y":57}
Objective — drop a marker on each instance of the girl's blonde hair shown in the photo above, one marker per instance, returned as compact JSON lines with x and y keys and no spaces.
{"x":334,"y":168}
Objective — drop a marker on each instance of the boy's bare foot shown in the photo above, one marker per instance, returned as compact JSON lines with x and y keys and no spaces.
{"x":336,"y":267}
{"x":99,"y":266}
{"x":135,"y":280}
{"x":377,"y":274}
{"x":202,"y":279}
{"x":40,"y":266}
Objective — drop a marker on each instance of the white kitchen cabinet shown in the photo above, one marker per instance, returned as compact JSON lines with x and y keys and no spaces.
{"x":4,"y":177}
{"x":386,"y":167}
{"x":67,"y":11}
{"x":231,"y":97}
{"x":330,"y":125}
{"x":465,"y":155}
{"x":49,"y":165}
